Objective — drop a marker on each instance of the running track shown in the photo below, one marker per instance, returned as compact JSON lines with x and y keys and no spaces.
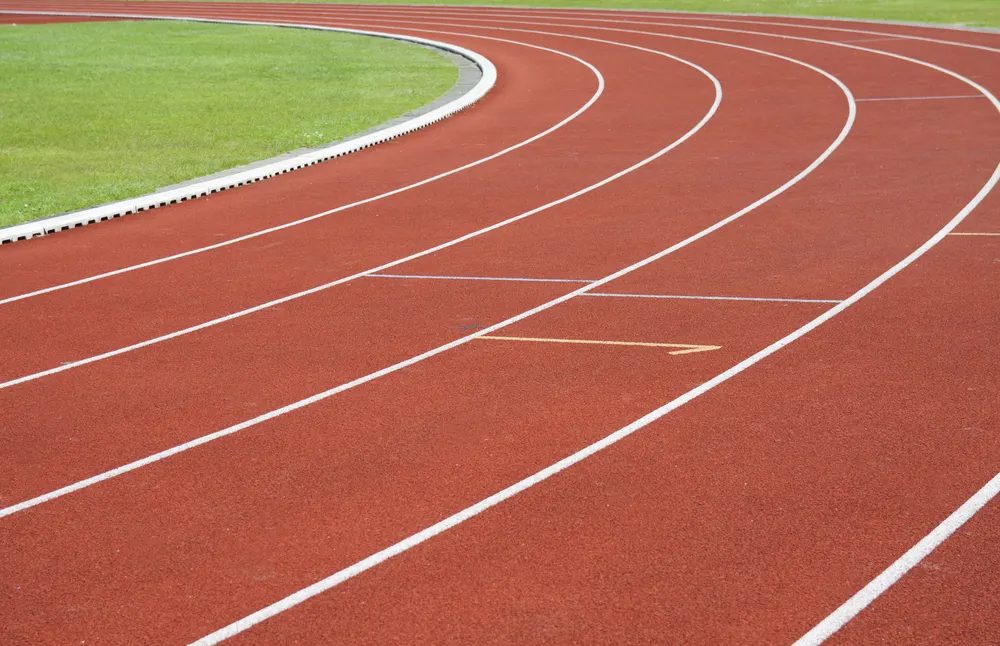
{"x":801,"y":167}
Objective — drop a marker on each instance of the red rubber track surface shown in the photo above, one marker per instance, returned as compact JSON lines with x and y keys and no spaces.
{"x":746,"y":516}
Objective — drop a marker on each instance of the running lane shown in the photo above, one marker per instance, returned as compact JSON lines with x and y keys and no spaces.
{"x":744,"y":516}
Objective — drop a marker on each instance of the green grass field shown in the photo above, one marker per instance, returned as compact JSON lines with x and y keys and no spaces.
{"x":982,"y":13}
{"x":96,"y":112}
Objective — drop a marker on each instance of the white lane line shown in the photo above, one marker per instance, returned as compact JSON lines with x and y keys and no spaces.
{"x":923,"y":98}
{"x":156,"y":457}
{"x":866,"y":595}
{"x":761,"y":299}
{"x":607,"y":294}
{"x":263,"y":306}
{"x":486,"y":278}
{"x":681,"y":348}
{"x":368,"y":200}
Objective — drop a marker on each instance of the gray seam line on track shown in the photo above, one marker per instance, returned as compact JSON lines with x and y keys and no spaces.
{"x":830,"y":624}
{"x":923,"y":98}
{"x":421,"y":118}
{"x":344,"y":207}
{"x":611,"y":294}
{"x":313,"y":290}
{"x":582,"y":290}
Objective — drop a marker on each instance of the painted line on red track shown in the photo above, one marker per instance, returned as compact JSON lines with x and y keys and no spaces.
{"x":368,"y":200}
{"x":474,"y":510}
{"x":156,"y":457}
{"x":864,"y":597}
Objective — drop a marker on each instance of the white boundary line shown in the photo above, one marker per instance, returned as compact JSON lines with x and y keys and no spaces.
{"x":133,"y":205}
{"x":476,"y":509}
{"x":852,"y":113}
{"x":316,"y":216}
{"x":864,"y":597}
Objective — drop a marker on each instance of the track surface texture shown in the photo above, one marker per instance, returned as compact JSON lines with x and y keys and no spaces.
{"x":349,"y":430}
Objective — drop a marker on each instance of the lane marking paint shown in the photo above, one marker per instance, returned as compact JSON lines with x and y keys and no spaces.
{"x":474,"y":510}
{"x":683,"y":348}
{"x":969,"y":233}
{"x":923,"y":98}
{"x":368,"y":200}
{"x":866,"y":595}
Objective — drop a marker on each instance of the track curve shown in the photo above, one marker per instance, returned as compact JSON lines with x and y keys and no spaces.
{"x":791,"y":476}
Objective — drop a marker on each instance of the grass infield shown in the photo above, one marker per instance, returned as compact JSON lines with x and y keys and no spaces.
{"x":96,"y":112}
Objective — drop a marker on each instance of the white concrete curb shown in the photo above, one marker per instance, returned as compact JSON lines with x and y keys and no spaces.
{"x":215,"y":184}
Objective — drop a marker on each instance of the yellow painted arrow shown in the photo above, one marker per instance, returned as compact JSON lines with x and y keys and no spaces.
{"x":682,"y":348}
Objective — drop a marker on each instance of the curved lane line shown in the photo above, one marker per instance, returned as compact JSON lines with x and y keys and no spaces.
{"x":408,"y":187}
{"x":863,"y":598}
{"x":149,"y":201}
